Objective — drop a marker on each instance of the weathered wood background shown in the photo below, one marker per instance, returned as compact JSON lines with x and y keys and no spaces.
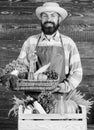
{"x":18,"y":21}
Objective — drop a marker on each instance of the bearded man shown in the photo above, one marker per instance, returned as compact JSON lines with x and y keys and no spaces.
{"x":55,"y":48}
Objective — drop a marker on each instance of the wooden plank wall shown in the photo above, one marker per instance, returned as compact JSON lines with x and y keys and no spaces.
{"x":18,"y":21}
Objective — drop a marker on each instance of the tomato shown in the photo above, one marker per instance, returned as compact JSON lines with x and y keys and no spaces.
{"x":42,"y":77}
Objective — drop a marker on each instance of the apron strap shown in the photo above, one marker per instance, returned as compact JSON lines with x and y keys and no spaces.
{"x":38,"y":63}
{"x":62,"y":77}
{"x":38,"y":40}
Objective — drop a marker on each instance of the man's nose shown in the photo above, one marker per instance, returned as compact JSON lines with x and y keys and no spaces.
{"x":49,"y":18}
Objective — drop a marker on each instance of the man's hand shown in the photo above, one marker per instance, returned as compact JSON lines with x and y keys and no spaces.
{"x":57,"y":89}
{"x":60,"y":88}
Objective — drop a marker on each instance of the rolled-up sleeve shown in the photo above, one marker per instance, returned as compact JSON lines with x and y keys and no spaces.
{"x":23,"y":53}
{"x":28,"y":47}
{"x":75,"y":73}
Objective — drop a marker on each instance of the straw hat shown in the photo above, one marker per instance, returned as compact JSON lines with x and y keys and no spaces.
{"x":51,"y":6}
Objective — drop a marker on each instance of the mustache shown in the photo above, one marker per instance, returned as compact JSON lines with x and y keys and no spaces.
{"x":48,"y":22}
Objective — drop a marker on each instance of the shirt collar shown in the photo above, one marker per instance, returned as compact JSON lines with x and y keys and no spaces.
{"x":55,"y":37}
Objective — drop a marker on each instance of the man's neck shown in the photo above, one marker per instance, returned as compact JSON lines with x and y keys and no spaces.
{"x":50,"y":36}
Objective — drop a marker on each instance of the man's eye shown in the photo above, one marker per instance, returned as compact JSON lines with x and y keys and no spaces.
{"x":53,"y":15}
{"x":44,"y":15}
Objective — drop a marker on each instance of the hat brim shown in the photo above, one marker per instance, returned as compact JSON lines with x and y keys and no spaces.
{"x":61,"y":11}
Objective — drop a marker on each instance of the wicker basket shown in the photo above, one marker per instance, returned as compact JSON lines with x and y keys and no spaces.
{"x":36,"y":85}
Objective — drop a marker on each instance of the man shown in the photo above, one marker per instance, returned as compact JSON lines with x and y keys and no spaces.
{"x":54,"y":48}
{"x":51,"y":46}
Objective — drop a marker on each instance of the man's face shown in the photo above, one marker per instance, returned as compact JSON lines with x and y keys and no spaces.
{"x":50,"y":22}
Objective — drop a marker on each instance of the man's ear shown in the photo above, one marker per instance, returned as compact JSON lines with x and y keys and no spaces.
{"x":41,"y":15}
{"x":60,"y":19}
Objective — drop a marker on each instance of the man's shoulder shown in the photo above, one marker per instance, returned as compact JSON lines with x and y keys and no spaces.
{"x":67,"y":40}
{"x":32,"y":40}
{"x":35,"y":37}
{"x":65,"y":37}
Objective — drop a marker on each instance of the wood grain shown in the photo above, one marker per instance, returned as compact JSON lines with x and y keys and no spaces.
{"x":18,"y":21}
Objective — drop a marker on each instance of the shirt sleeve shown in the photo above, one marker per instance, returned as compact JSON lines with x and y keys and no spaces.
{"x":27,"y":48}
{"x":74,"y":76}
{"x":23,"y":53}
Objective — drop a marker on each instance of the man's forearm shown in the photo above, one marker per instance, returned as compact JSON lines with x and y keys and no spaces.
{"x":71,"y":82}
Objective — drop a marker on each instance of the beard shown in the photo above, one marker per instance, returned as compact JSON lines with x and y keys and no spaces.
{"x":49,"y":28}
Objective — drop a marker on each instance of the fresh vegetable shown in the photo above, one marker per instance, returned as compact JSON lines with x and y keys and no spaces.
{"x":47,"y":100}
{"x":39,"y":108}
{"x":41,"y":70}
{"x":69,"y":106}
{"x":29,"y":105}
{"x":42,"y":77}
{"x":51,"y":74}
{"x":46,"y":103}
{"x":15,"y":72}
{"x":16,"y":103}
{"x":15,"y":65}
{"x":23,"y":75}
{"x":79,"y":99}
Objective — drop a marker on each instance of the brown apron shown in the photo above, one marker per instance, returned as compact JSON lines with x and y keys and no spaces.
{"x":56,"y":56}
